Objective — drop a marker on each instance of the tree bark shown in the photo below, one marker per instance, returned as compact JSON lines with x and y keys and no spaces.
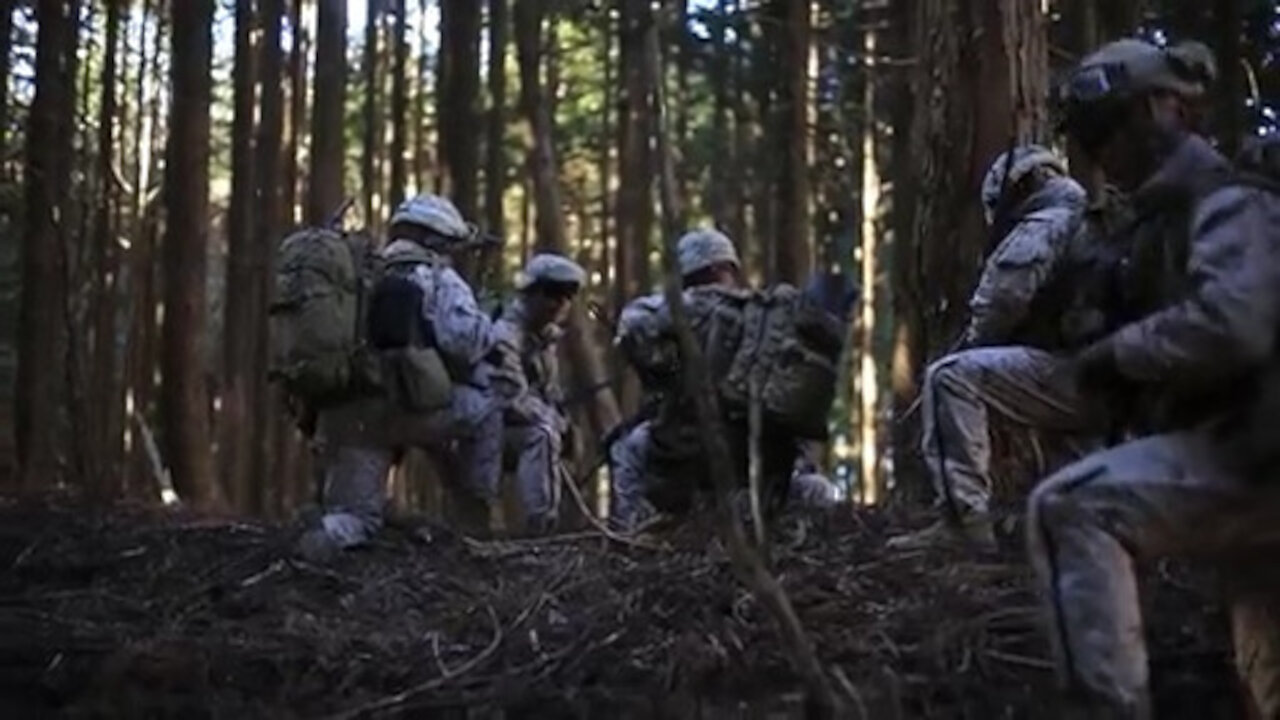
{"x":495,"y":173}
{"x":718,"y":77}
{"x":372,"y":120}
{"x":184,"y":402}
{"x":459,"y":94}
{"x":106,"y":403}
{"x":330,"y":93}
{"x":421,"y":158}
{"x":40,"y":396}
{"x":399,"y":104}
{"x":267,"y":232}
{"x":585,"y":360}
{"x":1230,"y":93}
{"x":793,"y":246}
{"x":994,"y":97}
{"x":236,"y":429}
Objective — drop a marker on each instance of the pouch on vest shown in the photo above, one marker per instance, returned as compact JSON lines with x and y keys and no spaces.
{"x":413,"y":372}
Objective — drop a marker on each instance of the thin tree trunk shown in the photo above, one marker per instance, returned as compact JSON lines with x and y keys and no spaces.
{"x":236,"y":430}
{"x":586,"y":362}
{"x":793,"y":246}
{"x":297,"y":114}
{"x":458,"y":102}
{"x":399,"y":103}
{"x":184,"y":402}
{"x":495,"y":173}
{"x":604,"y":261}
{"x":735,"y":180}
{"x":330,"y":93}
{"x":6,"y":49}
{"x":40,"y":397}
{"x":1230,"y":86}
{"x":718,"y":77}
{"x":267,"y":234}
{"x":421,"y":159}
{"x":371,"y":122}
{"x":104,"y":405}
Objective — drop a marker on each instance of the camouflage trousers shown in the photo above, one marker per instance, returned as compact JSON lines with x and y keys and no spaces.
{"x":1022,"y":385}
{"x":632,"y":478}
{"x":357,"y":443}
{"x":536,"y":449}
{"x":1171,"y":495}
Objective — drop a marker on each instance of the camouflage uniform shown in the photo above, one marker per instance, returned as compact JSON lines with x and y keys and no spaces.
{"x":1010,"y":368}
{"x":1187,"y":490}
{"x":358,"y":442}
{"x":527,"y":381}
{"x":648,"y":461}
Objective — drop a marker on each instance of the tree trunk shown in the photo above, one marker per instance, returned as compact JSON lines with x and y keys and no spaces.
{"x":495,"y":172}
{"x":266,"y":237}
{"x":421,"y":160}
{"x":236,"y":430}
{"x":106,"y":402}
{"x":736,"y":180}
{"x":372,"y":119}
{"x":41,"y":394}
{"x":718,"y":77}
{"x":793,"y":246}
{"x":604,"y":261}
{"x":6,"y":48}
{"x":142,"y":352}
{"x":1230,"y":94}
{"x":330,"y":93}
{"x":297,"y":114}
{"x":184,"y":402}
{"x":459,"y":93}
{"x":399,"y":104}
{"x":994,"y":97}
{"x":586,"y":363}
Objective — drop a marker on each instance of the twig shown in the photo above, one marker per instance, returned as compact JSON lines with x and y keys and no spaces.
{"x":746,"y":562}
{"x":850,"y":689}
{"x":1021,"y":660}
{"x":581,"y":502}
{"x":402,"y":697}
{"x":753,"y":462}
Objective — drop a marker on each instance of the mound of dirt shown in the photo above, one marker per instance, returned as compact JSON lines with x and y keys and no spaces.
{"x":143,"y":613}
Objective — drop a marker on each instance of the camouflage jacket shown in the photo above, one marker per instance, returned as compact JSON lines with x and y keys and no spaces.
{"x":526,"y":377}
{"x":1021,"y":265}
{"x":1203,"y":275}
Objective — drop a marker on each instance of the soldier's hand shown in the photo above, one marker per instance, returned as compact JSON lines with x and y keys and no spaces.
{"x":1095,"y":368}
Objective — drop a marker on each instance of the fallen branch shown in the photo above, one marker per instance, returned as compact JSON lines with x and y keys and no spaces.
{"x":746,"y":561}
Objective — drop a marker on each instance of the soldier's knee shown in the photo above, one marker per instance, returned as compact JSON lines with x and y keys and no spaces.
{"x":1058,"y":501}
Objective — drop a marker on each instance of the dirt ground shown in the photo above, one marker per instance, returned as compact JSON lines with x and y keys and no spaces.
{"x":144,"y":613}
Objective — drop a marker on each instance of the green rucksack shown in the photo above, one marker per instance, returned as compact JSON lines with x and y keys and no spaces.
{"x":316,"y":315}
{"x":790,"y":351}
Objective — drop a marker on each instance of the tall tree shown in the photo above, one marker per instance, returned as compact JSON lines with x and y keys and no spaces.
{"x":236,"y":430}
{"x":372,"y":121}
{"x":266,"y":235}
{"x":635,"y":182}
{"x":972,"y":100}
{"x":495,"y":169}
{"x":458,"y":102}
{"x":585,"y":362}
{"x":399,"y":103}
{"x":184,"y":404}
{"x":297,"y":113}
{"x":330,"y":93}
{"x":793,"y":246}
{"x":40,"y":397}
{"x":142,"y":354}
{"x":106,"y":404}
{"x":6,"y":49}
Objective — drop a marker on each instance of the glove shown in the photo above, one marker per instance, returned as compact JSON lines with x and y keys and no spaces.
{"x":1096,"y":369}
{"x":833,"y":292}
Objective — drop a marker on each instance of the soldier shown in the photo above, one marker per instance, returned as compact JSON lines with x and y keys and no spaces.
{"x":527,"y":381}
{"x":432,"y":339}
{"x":1202,"y":295}
{"x":1013,"y":330}
{"x":669,"y":444}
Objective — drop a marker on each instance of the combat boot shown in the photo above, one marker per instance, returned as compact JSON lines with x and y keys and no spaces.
{"x":975,"y":531}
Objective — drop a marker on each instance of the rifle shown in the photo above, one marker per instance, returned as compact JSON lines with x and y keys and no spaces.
{"x":334,"y":222}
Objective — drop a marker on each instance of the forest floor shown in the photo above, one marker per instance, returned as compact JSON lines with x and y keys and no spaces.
{"x":150,"y":613}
